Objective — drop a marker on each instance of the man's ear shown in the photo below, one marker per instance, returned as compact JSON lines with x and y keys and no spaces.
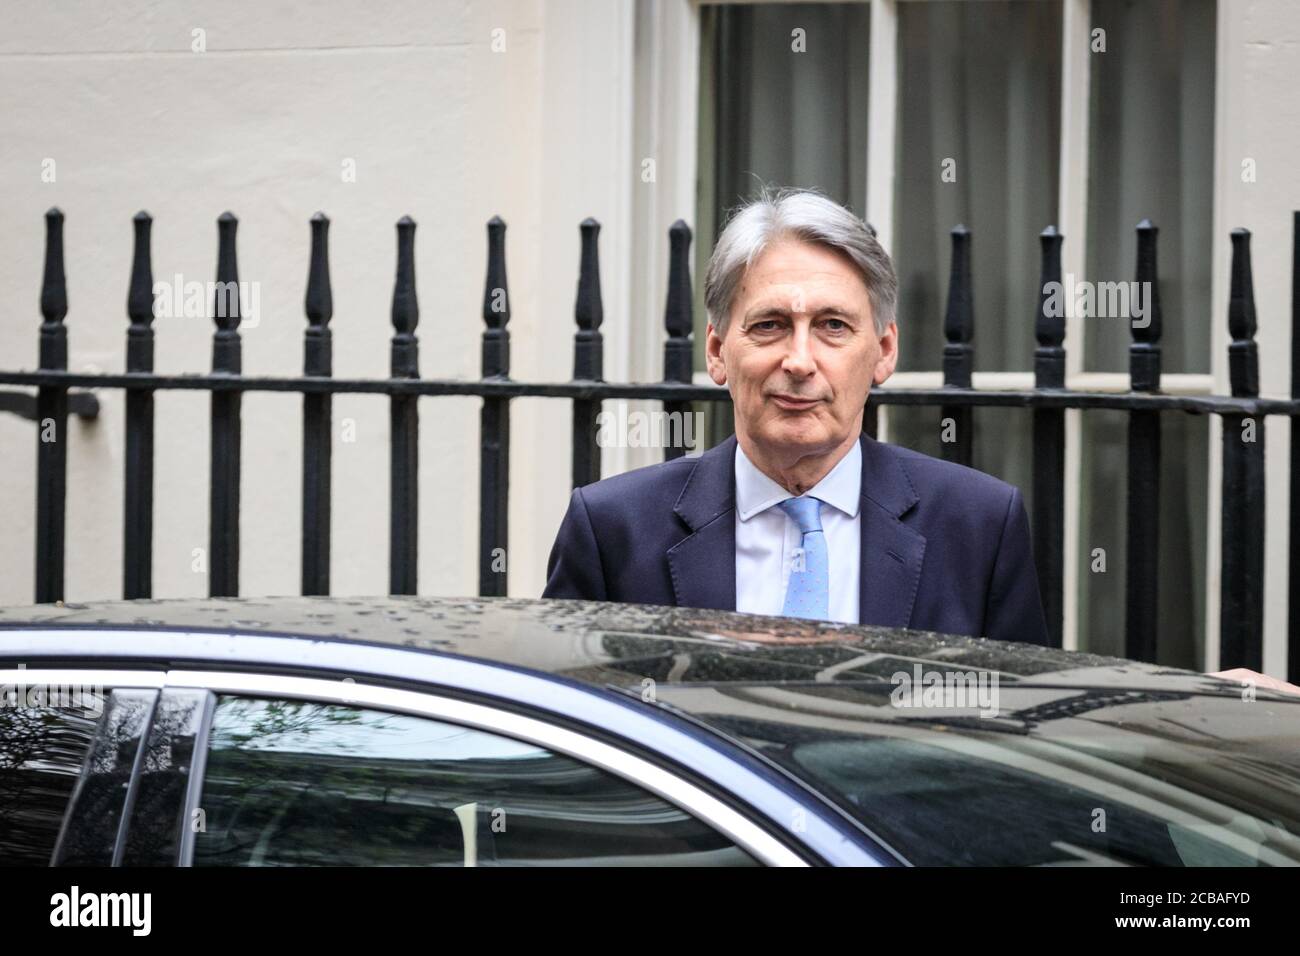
{"x":713,"y":356}
{"x":888,"y":354}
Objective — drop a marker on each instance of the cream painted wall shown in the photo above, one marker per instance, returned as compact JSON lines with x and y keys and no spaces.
{"x":1258,"y":117}
{"x":439,"y":125}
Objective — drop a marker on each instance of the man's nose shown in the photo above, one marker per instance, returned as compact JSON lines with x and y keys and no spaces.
{"x":798,"y":356}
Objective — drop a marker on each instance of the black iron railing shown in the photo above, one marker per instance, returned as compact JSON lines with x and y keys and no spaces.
{"x":1243,"y":414}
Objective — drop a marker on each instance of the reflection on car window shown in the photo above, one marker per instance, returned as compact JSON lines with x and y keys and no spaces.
{"x":957,"y":804}
{"x":1061,"y":776}
{"x":295,"y":783}
{"x":42,"y":752}
{"x":948,"y":809}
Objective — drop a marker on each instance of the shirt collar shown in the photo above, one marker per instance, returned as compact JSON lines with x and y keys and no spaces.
{"x":841,"y":488}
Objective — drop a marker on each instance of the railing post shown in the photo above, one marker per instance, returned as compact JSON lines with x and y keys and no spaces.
{"x":1049,"y":437}
{"x":871,"y":411}
{"x":1293,"y":626}
{"x":1241,"y":612}
{"x":404,"y":422}
{"x":52,"y":420}
{"x":957,"y":440}
{"x":871,"y":418}
{"x":223,"y":501}
{"x":317,"y":415}
{"x":1142,"y":555}
{"x":588,"y":357}
{"x":679,"y":347}
{"x":137,"y":523}
{"x":494,"y":422}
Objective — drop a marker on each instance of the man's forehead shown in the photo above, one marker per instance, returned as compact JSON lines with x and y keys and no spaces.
{"x":797,"y":297}
{"x":803,"y":286}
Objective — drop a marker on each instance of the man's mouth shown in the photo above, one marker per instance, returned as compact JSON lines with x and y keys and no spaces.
{"x":794,"y":403}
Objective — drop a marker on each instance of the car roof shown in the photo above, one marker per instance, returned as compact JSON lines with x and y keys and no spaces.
{"x":604,"y":643}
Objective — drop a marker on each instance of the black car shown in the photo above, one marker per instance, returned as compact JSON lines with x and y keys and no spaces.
{"x":491,"y":732}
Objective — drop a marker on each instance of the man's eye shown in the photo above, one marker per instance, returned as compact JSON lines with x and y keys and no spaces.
{"x":766,"y":325}
{"x":836,"y":325}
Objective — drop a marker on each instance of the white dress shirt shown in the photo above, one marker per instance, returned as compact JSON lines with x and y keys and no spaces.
{"x":767,"y":538}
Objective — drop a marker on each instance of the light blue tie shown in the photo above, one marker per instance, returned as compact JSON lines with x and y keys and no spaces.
{"x":808,"y":593}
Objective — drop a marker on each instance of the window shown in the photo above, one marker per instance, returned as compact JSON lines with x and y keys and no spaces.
{"x":1151,"y":153}
{"x":295,"y":783}
{"x":982,"y":116}
{"x":42,"y":753}
{"x":979,"y":92}
{"x":1059,"y":776}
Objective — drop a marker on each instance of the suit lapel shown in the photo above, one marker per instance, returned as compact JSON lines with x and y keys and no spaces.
{"x":703,"y":565}
{"x":891,"y":553}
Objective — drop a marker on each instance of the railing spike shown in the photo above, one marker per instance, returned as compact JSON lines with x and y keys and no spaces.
{"x":226,"y":305}
{"x":1144,"y":350}
{"x":319,"y":302}
{"x":54,"y":286}
{"x":678,"y":306}
{"x":406,"y":305}
{"x":588,"y":308}
{"x":1243,"y":353}
{"x":1053,"y":307}
{"x":496,"y":304}
{"x":959,"y":319}
{"x":140,"y":296}
{"x":227,"y":272}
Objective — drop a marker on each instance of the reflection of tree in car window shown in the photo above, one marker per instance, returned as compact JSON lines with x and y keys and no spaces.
{"x":299,"y":783}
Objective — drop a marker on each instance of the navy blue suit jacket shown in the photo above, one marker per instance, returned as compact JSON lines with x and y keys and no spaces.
{"x":944,"y":547}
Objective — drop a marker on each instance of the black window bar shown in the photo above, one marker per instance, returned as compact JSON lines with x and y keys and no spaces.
{"x":1242,"y":413}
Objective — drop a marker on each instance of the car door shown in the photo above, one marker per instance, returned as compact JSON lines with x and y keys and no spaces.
{"x":265,"y":770}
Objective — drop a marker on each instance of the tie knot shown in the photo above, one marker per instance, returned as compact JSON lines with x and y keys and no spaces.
{"x":806,"y":512}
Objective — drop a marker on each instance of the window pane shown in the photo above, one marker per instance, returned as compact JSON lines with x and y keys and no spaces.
{"x":1151,"y":156}
{"x":771,"y":114}
{"x":1151,"y":150}
{"x":790,"y":108}
{"x":979,"y":87}
{"x":158,"y":814}
{"x":90,"y":835}
{"x":978,"y":144}
{"x":42,"y":753}
{"x":1183,"y":780}
{"x":293,"y":783}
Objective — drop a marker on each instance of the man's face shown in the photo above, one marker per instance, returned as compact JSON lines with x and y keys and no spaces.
{"x":801,"y":351}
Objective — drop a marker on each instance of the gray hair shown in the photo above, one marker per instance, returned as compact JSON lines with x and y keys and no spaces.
{"x":807,"y":215}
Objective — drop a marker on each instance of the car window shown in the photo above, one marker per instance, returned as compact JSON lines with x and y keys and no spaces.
{"x":953,"y":808}
{"x":46,"y":732}
{"x":101,"y":799}
{"x":1059,"y":776}
{"x":296,"y":783}
{"x":159,"y":805}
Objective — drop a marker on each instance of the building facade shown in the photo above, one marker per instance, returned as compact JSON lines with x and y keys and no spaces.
{"x":1006,"y":115}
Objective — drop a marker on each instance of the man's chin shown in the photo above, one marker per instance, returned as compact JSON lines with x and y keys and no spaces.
{"x":807,"y":438}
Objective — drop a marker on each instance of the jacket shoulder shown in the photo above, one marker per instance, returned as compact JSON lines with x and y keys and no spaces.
{"x":641,"y":488}
{"x":946,"y":480}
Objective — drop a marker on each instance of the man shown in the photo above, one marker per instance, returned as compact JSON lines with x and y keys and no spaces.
{"x":800,"y":513}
